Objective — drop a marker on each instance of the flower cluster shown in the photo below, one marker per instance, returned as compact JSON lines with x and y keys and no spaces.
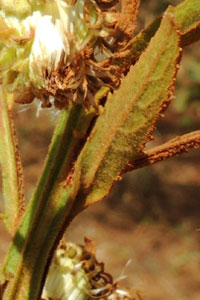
{"x":60,"y":51}
{"x":75,"y":274}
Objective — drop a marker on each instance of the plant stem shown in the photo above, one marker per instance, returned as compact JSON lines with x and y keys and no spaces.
{"x":46,"y":217}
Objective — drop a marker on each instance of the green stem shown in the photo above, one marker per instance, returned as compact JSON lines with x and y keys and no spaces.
{"x":11,"y":166}
{"x":45,"y":218}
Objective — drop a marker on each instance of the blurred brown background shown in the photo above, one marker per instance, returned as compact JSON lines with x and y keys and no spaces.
{"x":152,"y":216}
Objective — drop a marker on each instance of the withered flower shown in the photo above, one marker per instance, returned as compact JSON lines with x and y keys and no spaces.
{"x":75,"y":274}
{"x":60,"y":51}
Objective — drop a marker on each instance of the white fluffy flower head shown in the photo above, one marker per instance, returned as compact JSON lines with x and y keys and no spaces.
{"x":47,"y":48}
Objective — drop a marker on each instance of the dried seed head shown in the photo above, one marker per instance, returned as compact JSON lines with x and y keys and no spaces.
{"x":60,"y":49}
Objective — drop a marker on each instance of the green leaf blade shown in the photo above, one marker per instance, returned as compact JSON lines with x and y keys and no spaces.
{"x":130,"y":114}
{"x":187,"y":16}
{"x":12,"y":177}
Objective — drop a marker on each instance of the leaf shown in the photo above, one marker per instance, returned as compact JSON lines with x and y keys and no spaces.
{"x":130,"y":114}
{"x":13,"y":189}
{"x":136,"y":46}
{"x":187,"y":15}
{"x":173,"y":147}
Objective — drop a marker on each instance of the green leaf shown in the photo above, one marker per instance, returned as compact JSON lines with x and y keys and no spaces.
{"x":136,"y":46}
{"x":187,"y":16}
{"x":10,"y":165}
{"x":130,"y":115}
